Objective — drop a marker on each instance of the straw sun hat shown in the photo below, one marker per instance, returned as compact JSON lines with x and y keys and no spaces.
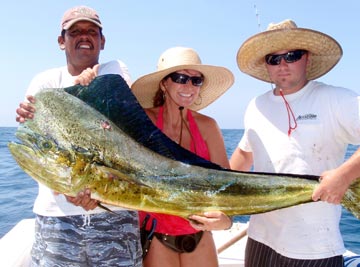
{"x":216,"y":79}
{"x":325,"y":52}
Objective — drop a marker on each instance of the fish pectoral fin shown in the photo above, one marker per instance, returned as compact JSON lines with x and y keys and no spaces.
{"x":115,"y":174}
{"x":105,"y":208}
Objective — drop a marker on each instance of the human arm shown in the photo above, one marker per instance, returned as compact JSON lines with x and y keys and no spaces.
{"x":26,"y":109}
{"x":241,"y":160}
{"x":335,"y":182}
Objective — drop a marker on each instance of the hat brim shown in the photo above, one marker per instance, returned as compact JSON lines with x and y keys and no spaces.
{"x":72,"y":22}
{"x":325,"y":52}
{"x":216,"y":82}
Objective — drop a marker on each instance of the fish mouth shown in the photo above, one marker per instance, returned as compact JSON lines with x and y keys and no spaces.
{"x":30,"y":161}
{"x":28,"y":148}
{"x":24,"y":156}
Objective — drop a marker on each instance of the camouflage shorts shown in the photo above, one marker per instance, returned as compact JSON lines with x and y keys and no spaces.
{"x":102,"y":239}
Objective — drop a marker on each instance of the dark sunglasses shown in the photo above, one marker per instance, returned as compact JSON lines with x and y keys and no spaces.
{"x":289,"y":57}
{"x":183,"y":78}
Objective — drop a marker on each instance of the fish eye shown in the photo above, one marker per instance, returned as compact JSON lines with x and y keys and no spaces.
{"x":46,"y":145}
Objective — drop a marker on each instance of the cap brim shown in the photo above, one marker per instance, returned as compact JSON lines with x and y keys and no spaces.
{"x":70,"y":23}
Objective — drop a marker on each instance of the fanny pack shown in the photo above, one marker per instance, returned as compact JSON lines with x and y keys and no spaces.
{"x":179,"y":243}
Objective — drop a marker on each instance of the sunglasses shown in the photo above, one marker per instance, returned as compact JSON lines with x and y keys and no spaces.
{"x":183,"y":79}
{"x":289,"y":57}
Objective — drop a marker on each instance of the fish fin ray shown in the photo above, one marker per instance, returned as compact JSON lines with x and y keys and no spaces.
{"x":351,"y":200}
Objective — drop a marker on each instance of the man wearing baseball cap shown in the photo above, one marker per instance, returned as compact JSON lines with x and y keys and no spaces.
{"x":79,"y":13}
{"x":73,"y":231}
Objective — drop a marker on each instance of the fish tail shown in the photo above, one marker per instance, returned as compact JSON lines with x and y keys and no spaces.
{"x":351,"y":199}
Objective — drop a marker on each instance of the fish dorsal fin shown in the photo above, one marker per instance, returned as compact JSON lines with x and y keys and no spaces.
{"x":110,"y":95}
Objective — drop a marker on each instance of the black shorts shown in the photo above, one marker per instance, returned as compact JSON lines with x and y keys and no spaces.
{"x":258,"y":254}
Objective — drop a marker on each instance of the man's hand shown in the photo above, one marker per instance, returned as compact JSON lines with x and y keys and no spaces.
{"x":87,"y":75}
{"x":211,"y":220}
{"x":83,"y":199}
{"x":332,"y":187}
{"x":25,"y":110}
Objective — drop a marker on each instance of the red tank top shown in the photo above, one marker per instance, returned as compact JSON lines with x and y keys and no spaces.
{"x":169,"y":224}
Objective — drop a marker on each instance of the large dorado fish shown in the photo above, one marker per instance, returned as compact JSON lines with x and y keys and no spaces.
{"x":98,"y":137}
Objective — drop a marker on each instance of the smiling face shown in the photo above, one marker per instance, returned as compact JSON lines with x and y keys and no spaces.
{"x":181,"y":94}
{"x":82,"y":44}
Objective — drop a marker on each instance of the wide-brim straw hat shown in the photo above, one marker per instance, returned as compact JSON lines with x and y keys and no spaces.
{"x":325,"y":52}
{"x":216,"y":79}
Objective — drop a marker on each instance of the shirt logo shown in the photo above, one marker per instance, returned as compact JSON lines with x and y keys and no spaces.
{"x":306,"y":117}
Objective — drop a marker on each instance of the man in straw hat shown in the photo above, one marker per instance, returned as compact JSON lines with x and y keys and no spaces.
{"x":301,"y":126}
{"x":171,"y":96}
{"x":66,"y":234}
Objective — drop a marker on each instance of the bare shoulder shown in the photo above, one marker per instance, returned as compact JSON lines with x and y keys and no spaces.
{"x":205,"y":123}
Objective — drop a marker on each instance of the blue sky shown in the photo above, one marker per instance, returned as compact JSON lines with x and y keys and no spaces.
{"x":137,"y":32}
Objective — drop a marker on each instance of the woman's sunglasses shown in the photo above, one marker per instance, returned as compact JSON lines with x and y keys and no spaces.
{"x":289,"y":57}
{"x":183,"y":78}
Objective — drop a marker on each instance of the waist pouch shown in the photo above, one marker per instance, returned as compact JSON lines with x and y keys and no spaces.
{"x":179,"y":243}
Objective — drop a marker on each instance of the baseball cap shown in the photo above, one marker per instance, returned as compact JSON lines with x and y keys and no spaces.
{"x":79,"y":13}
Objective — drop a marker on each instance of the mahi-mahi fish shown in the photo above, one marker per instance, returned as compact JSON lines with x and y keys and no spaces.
{"x":99,"y":137}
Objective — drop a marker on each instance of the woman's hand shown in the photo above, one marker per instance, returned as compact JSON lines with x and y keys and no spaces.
{"x":211,"y":220}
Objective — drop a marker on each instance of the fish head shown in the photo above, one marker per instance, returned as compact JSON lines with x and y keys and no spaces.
{"x":47,"y":162}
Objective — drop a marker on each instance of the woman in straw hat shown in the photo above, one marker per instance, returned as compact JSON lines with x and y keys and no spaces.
{"x":300,"y":126}
{"x":171,"y":97}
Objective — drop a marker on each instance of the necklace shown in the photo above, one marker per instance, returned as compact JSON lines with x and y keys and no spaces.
{"x":289,"y":112}
{"x":181,"y":108}
{"x":181,"y":124}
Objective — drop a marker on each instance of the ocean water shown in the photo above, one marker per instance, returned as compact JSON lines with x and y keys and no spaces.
{"x":18,"y":190}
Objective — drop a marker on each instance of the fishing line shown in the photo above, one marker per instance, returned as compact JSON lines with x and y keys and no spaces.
{"x":181,"y":108}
